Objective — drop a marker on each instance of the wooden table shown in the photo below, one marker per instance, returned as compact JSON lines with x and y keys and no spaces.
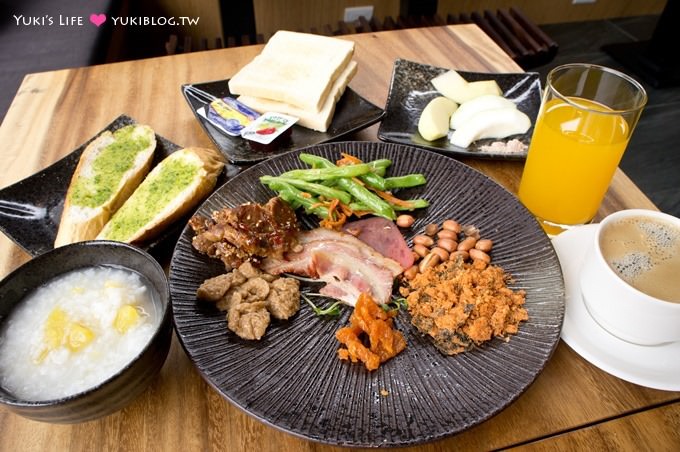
{"x":571,"y":404}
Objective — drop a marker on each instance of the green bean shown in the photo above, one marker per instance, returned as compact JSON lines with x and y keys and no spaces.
{"x":373,"y":180}
{"x":310,"y":187}
{"x":363,"y":195}
{"x":359,"y":192}
{"x":320,"y":162}
{"x":316,"y":161}
{"x":381,"y":164}
{"x":410,"y":180}
{"x":333,"y":172}
{"x":294,"y":196}
{"x":415,"y":204}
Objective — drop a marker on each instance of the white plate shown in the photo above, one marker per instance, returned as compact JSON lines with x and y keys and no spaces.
{"x":655,"y":367}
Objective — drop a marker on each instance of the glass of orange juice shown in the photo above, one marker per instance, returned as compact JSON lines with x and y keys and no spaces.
{"x":587,"y":116}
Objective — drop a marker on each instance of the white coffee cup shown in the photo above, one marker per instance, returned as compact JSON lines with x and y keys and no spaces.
{"x":616,"y":305}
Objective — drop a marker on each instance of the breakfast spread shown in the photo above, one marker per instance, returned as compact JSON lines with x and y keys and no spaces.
{"x":473,"y":110}
{"x":452,"y":292}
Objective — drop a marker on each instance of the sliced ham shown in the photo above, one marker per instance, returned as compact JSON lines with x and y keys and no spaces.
{"x":384,"y":236}
{"x":345,"y":263}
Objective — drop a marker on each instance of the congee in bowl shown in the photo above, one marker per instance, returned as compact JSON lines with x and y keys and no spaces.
{"x":83,"y":330}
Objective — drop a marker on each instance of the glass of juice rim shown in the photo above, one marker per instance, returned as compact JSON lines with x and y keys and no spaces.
{"x":587,"y":116}
{"x":631,"y":95}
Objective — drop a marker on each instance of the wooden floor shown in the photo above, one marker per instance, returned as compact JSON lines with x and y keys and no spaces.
{"x":652,"y":159}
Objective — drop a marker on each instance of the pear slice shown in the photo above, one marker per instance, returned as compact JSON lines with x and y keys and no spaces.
{"x":434,"y":120}
{"x":470,"y":108}
{"x":496,"y":123}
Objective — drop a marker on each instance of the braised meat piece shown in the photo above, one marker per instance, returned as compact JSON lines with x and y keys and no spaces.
{"x":249,"y":320}
{"x":249,"y":231}
{"x":214,"y":289}
{"x":250,"y":298}
{"x":283,"y":300}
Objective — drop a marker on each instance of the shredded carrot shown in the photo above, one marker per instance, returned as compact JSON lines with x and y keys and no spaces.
{"x":389,"y":197}
{"x":348,"y":159}
{"x":330,"y":222}
{"x":304,"y":194}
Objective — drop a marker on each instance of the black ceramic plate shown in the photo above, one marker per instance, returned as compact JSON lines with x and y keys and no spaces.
{"x":292,"y":378}
{"x":31,"y":208}
{"x":352,"y":113}
{"x":411,"y":90}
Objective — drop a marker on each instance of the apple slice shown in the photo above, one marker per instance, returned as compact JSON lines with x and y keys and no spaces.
{"x":434,"y":120}
{"x":480,"y":88}
{"x":496,"y":123}
{"x":450,"y":84}
{"x":470,"y":108}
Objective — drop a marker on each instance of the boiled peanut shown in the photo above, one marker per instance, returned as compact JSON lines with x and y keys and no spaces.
{"x":405,"y":221}
{"x":451,"y":225}
{"x":467,"y":244}
{"x":447,"y":234}
{"x":423,"y":240}
{"x":459,"y":255}
{"x":421,"y":250}
{"x":470,"y":230}
{"x":484,"y":245}
{"x":476,"y":254}
{"x":430,"y":260}
{"x":448,"y":244}
{"x":443,"y":254}
{"x":431,"y":229}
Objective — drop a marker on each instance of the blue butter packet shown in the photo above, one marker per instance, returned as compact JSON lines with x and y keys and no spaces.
{"x":230,"y":115}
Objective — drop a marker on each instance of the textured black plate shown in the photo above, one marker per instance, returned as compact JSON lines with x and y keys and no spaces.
{"x":352,"y":113}
{"x":31,"y":208}
{"x":411,"y":90}
{"x":292,"y":378}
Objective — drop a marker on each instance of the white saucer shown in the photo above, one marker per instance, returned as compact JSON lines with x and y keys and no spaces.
{"x":655,"y":367}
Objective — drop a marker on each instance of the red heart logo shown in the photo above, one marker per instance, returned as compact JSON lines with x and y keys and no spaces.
{"x":98,"y":19}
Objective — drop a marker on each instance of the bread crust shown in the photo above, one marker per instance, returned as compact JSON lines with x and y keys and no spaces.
{"x":79,"y":223}
{"x":211,"y":161}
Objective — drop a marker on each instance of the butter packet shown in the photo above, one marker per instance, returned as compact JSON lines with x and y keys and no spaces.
{"x":229,"y":115}
{"x":268,"y":127}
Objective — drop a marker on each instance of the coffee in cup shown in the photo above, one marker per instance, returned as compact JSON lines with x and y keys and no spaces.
{"x":630,"y":277}
{"x":645,"y":252}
